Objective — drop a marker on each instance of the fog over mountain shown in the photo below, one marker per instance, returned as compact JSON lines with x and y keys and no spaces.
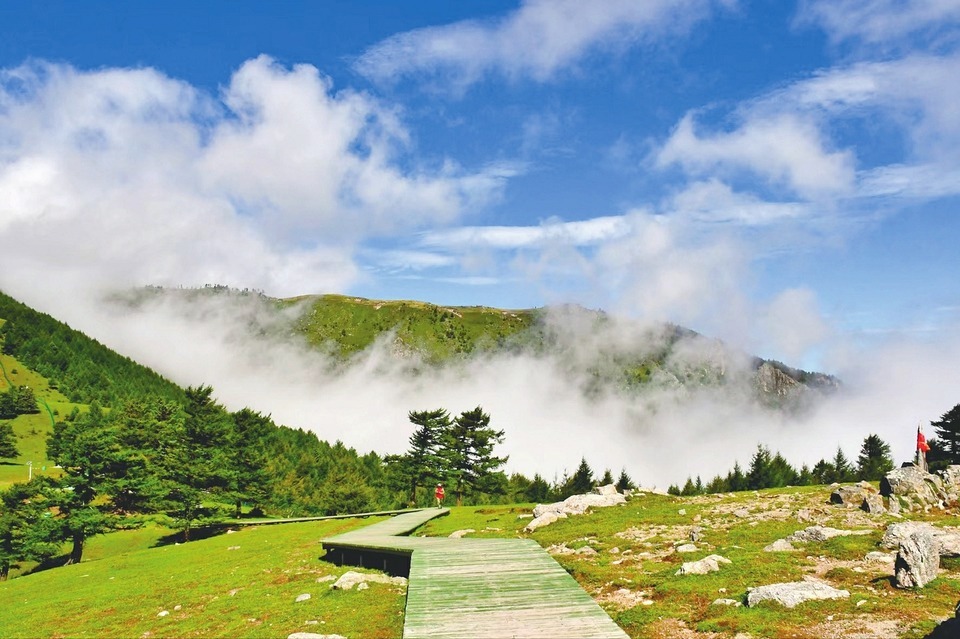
{"x":660,"y":435}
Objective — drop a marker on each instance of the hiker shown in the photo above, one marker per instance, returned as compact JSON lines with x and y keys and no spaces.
{"x":439,"y":494}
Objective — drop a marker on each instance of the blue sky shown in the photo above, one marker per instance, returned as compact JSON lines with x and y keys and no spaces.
{"x":781,"y":175}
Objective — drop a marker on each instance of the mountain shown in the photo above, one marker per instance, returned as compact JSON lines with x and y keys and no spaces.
{"x":609,"y":352}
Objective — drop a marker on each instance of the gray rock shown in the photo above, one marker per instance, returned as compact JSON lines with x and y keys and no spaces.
{"x":948,"y":540}
{"x":695,"y":533}
{"x":794,"y":593}
{"x":917,"y":560}
{"x":687,"y":548}
{"x":915,"y":488}
{"x":873,"y":504}
{"x":703,"y":566}
{"x":726,"y":602}
{"x":458,"y":534}
{"x":305,"y":596}
{"x":852,"y":496}
{"x":780,"y":545}
{"x":822,"y":533}
{"x":351,"y":578}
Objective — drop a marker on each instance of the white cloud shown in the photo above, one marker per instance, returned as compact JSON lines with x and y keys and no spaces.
{"x":579,"y":233}
{"x":784,"y":150}
{"x":883,"y":22}
{"x":120,"y":177}
{"x":714,"y":202}
{"x":537,"y":40}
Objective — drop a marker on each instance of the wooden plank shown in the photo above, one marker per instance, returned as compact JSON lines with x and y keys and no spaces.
{"x":483,"y":588}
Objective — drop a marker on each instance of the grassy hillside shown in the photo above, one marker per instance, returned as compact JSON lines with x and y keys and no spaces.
{"x":79,"y":367}
{"x":237,"y":585}
{"x":438,"y":333}
{"x":31,"y":430}
{"x":621,"y":354}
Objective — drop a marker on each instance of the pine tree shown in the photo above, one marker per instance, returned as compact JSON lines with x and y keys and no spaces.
{"x":582,"y":480}
{"x":538,"y":491}
{"x":842,"y":470}
{"x":8,"y":441}
{"x":760,"y":474}
{"x":874,"y":460}
{"x":607,"y":478}
{"x":423,"y":462}
{"x":948,"y":433}
{"x":624,"y":483}
{"x":467,"y":449}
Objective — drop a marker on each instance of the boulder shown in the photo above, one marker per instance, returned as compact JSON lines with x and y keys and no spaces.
{"x":914,"y":488}
{"x":948,"y":540}
{"x":794,"y":593}
{"x":609,"y":489}
{"x":351,"y":578}
{"x":780,"y":545}
{"x":873,"y":504}
{"x":917,"y":560}
{"x":574,"y":505}
{"x":852,"y":496}
{"x":702,"y":567}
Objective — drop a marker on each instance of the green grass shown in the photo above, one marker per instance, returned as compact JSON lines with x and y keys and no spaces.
{"x":650,"y":527}
{"x":237,"y":585}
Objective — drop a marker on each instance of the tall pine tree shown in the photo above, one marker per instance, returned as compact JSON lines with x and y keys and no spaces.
{"x":468,"y":452}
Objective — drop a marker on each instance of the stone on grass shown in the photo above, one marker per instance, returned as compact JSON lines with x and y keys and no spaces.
{"x":780,"y":545}
{"x":794,"y":593}
{"x":351,"y":578}
{"x":458,"y":534}
{"x":726,"y":602}
{"x":917,"y":561}
{"x":703,"y":566}
{"x":687,"y":548}
{"x":303,"y":597}
{"x":948,"y":541}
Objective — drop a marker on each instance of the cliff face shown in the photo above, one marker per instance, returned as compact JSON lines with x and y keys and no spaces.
{"x":771,"y":381}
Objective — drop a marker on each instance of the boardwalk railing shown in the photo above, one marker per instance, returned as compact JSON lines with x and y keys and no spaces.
{"x":475,"y":588}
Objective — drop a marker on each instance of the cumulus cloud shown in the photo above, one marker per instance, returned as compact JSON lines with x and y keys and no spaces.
{"x":538,"y":40}
{"x":785,"y":150}
{"x":120,"y":177}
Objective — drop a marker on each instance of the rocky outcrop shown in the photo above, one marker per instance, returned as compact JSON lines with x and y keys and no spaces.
{"x":918,"y":560}
{"x":601,"y":497}
{"x":862,"y":495}
{"x":947,"y":539}
{"x":794,"y":593}
{"x":914,"y":489}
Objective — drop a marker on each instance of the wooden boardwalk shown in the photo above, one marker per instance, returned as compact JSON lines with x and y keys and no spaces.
{"x":479,"y":588}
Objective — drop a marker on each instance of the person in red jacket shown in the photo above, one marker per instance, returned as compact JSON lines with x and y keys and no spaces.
{"x":439,"y":494}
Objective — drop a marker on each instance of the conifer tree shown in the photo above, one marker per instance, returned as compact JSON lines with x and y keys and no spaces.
{"x":624,"y":482}
{"x":467,"y":449}
{"x":423,"y":463}
{"x":874,"y":460}
{"x":582,"y":480}
{"x":948,"y":433}
{"x":8,"y":441}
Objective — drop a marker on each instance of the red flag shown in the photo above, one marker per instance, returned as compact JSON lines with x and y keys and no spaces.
{"x":921,"y":442}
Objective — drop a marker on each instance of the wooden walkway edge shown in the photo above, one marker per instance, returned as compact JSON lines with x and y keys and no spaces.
{"x":480,"y":588}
